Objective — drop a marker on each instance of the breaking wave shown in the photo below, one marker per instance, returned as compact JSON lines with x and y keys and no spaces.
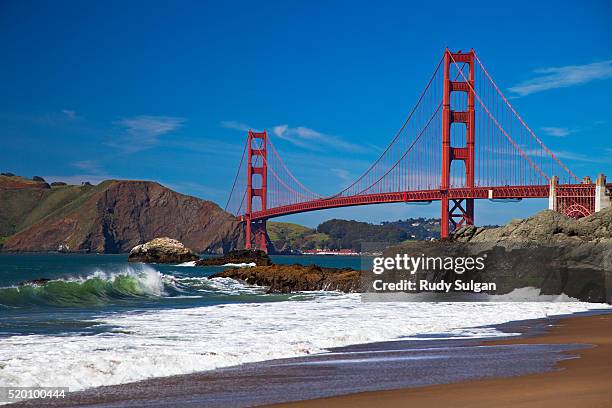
{"x":96,"y":289}
{"x":133,"y":283}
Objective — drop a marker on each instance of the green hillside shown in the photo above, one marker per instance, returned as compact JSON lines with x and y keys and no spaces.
{"x":287,"y":236}
{"x":343,"y":234}
{"x":23,"y":202}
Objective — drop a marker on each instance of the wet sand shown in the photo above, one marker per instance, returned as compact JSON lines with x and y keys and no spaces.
{"x":475,"y":369}
{"x":584,"y":381}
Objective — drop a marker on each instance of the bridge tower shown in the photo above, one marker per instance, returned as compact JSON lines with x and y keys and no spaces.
{"x":257,"y":168}
{"x":457,"y":212}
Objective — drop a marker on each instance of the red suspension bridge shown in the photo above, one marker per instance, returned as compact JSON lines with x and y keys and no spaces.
{"x":462,"y":141}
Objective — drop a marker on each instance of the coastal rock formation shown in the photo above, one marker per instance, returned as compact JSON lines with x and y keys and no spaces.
{"x":549,"y":251}
{"x":545,"y":227}
{"x":296,"y":278}
{"x":240,"y":256}
{"x":111,"y":217}
{"x":162,"y":250}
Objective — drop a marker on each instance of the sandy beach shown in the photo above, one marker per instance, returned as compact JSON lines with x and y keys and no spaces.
{"x":558,"y":361}
{"x":582,"y":381}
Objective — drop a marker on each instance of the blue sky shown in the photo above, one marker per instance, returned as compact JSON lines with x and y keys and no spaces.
{"x":164,"y":90}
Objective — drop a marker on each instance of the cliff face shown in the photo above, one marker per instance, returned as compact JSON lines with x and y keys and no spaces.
{"x":111,"y":217}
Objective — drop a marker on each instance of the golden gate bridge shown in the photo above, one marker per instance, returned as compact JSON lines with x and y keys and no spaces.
{"x":462,"y":141}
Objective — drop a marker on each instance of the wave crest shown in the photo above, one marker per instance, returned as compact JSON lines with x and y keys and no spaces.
{"x":96,"y":289}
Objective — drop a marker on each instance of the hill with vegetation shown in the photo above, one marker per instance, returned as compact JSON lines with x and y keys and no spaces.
{"x":116,"y":215}
{"x":420,"y":229}
{"x":110,"y":217}
{"x":343,"y":234}
{"x":288,"y":237}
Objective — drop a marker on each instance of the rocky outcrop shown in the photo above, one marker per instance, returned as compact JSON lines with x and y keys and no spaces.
{"x":296,"y":278}
{"x":162,"y":250}
{"x":546,"y":227}
{"x":549,"y":251}
{"x":8,"y":181}
{"x":240,"y":256}
{"x":111,"y":217}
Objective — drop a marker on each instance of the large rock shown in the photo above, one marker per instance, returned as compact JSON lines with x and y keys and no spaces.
{"x":296,"y":278}
{"x":239,"y":256}
{"x":162,"y":250}
{"x":549,"y":251}
{"x":546,"y":227}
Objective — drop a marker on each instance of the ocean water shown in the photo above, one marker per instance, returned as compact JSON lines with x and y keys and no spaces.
{"x":103,"y":321}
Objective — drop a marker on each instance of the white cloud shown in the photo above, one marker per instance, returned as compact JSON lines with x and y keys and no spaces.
{"x":207,"y":146}
{"x":565,"y":155}
{"x":280,"y":130}
{"x":88,"y":166}
{"x":143,"y":132}
{"x":232,"y":124}
{"x":342,"y":174}
{"x":556,"y":131}
{"x":301,"y":136}
{"x":70,"y":114}
{"x":151,"y":126}
{"x":313,"y":140}
{"x":563,"y":77}
{"x":560,"y":154}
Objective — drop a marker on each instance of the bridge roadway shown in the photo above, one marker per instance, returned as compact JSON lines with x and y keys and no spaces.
{"x":502,"y":192}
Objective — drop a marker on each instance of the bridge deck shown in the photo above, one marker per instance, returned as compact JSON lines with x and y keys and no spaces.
{"x":503,"y":192}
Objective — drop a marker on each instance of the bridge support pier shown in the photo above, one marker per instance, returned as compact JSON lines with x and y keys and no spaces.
{"x":256,"y":235}
{"x":579,"y":200}
{"x":552,"y":193}
{"x":602,"y":197}
{"x":455,"y":214}
{"x":445,"y":218}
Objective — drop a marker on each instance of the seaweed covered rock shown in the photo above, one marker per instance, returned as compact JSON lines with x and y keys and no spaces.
{"x":240,"y":256}
{"x":296,"y":278}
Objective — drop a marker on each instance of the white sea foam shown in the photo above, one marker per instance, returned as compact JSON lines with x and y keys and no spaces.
{"x":226,"y":286}
{"x":188,"y":263}
{"x":241,"y":265}
{"x":179,"y":341}
{"x":530,"y":294}
{"x":234,"y":265}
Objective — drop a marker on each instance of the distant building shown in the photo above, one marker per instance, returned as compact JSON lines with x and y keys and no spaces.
{"x":329,"y":252}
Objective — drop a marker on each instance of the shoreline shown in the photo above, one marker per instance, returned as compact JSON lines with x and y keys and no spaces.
{"x":583,"y":377}
{"x":343,"y":374}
